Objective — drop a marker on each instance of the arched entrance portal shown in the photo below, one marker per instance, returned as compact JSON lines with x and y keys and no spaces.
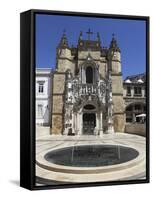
{"x":89,"y":123}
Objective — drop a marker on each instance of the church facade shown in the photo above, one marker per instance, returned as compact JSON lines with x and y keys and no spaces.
{"x":87,"y":88}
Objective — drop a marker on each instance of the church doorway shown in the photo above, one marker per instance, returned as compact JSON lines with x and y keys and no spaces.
{"x":89,"y":123}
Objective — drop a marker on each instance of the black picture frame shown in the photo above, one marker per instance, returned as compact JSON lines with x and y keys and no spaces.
{"x":27,"y":98}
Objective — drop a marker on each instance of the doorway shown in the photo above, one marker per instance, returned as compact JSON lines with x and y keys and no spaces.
{"x":89,"y":123}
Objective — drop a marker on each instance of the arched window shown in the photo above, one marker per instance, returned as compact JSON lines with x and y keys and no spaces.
{"x":89,"y":107}
{"x":89,"y":75}
{"x":133,"y":111}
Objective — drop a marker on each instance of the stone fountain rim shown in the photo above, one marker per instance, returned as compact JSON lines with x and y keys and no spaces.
{"x":42,"y":162}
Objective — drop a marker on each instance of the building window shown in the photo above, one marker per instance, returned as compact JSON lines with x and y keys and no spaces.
{"x":128,"y":91}
{"x":144,"y":91}
{"x":137,"y":91}
{"x":129,"y":108}
{"x":133,"y":111}
{"x":40,"y":110}
{"x":137,"y":107}
{"x":41,"y":87}
{"x":129,"y":118}
{"x":89,"y":107}
{"x":89,"y":75}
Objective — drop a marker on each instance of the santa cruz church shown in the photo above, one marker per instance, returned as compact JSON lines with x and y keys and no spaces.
{"x":87,"y":87}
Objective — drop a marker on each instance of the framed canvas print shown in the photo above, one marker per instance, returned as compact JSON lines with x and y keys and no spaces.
{"x":84,"y":99}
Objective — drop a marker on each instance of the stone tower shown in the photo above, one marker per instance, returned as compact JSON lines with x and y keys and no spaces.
{"x":87,"y":93}
{"x":117,"y":86}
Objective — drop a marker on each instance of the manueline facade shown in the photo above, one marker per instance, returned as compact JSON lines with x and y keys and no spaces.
{"x":87,"y":88}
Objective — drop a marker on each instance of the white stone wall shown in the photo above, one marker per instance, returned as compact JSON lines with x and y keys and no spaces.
{"x":42,"y":119}
{"x":43,"y":98}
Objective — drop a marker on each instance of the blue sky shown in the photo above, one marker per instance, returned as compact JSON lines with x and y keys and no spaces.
{"x":130,"y":35}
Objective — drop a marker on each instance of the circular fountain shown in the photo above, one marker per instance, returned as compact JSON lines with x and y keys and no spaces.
{"x":91,"y":155}
{"x":92,"y":159}
{"x":89,"y":159}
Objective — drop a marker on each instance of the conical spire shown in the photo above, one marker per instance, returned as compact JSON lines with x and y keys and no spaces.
{"x":63,"y":41}
{"x":98,"y":37}
{"x":113,"y":44}
{"x":80,"y":36}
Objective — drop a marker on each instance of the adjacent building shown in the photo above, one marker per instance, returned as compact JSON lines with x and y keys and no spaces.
{"x":135,"y":97}
{"x":135,"y":104}
{"x":43,"y":94}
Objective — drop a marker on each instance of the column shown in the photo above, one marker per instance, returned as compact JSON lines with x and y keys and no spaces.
{"x":79,"y":123}
{"x":133,"y":114}
{"x":132,"y":91}
{"x":110,"y":120}
{"x":101,"y":124}
{"x":73,"y":122}
{"x":133,"y":118}
{"x":97,"y":125}
{"x":143,"y":91}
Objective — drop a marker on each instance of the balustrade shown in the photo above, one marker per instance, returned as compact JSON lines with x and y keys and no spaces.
{"x":88,"y":89}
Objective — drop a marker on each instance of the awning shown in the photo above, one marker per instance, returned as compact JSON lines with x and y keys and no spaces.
{"x":141,"y":115}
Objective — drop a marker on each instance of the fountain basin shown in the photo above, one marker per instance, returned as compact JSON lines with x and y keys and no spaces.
{"x":129,"y":170}
{"x":60,"y":159}
{"x":91,"y":155}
